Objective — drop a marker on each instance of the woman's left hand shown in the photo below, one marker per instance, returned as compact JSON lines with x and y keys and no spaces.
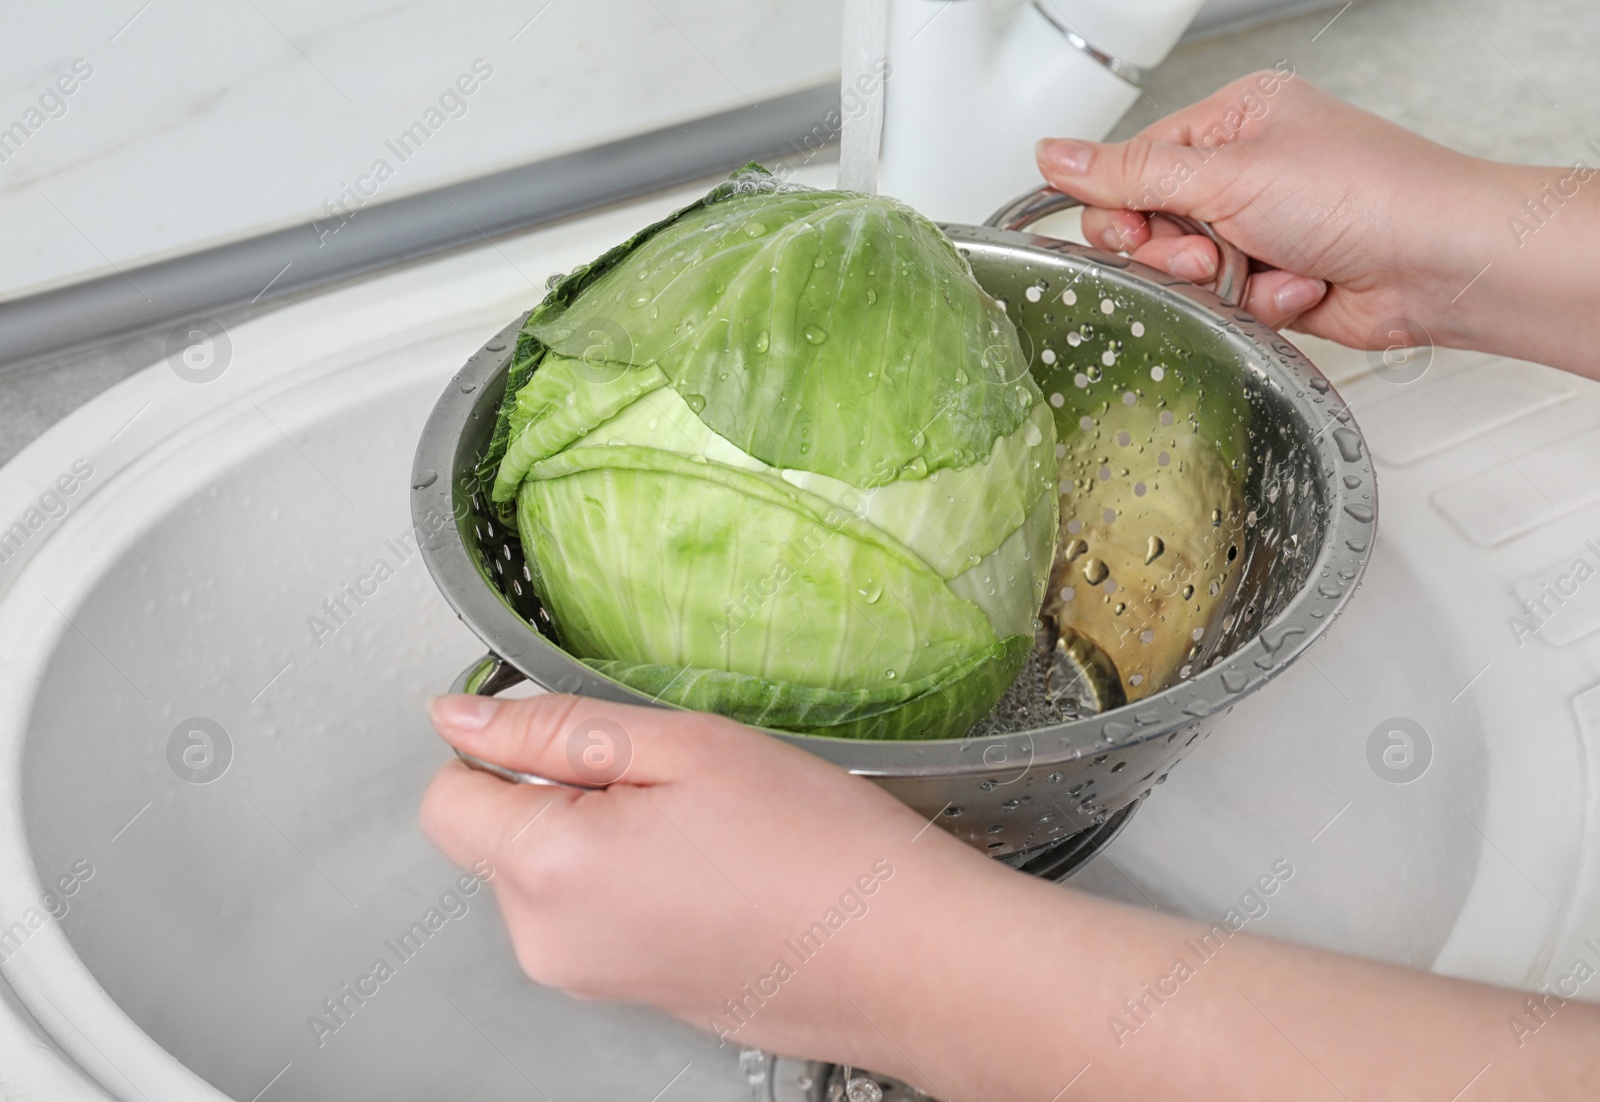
{"x":723,"y":876}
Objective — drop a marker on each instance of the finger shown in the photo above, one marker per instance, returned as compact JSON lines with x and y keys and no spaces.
{"x":1166,"y":227}
{"x":1277,"y":297}
{"x":471,"y":816}
{"x":1187,"y":256}
{"x":1115,"y":230}
{"x":1137,"y":174}
{"x":579,"y":741}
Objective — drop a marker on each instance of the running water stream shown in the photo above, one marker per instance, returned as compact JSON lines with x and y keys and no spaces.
{"x":861,"y":82}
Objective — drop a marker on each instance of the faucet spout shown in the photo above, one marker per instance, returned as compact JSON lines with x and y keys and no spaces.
{"x":973,"y":84}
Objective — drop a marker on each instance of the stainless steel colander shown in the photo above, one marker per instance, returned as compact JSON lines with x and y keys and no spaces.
{"x":1276,"y":564}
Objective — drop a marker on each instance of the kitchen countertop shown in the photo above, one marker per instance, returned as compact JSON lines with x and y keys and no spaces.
{"x":1496,"y":80}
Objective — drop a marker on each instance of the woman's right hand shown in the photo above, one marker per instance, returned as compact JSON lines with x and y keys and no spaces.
{"x":1353,"y":222}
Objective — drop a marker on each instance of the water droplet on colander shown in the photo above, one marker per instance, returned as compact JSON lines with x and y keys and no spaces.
{"x":1360,"y":512}
{"x":1320,"y":385}
{"x":1188,"y":591}
{"x":1115,"y":731}
{"x":1216,"y":518}
{"x":1274,"y":638}
{"x":696,"y":402}
{"x":815,"y":334}
{"x":1356,"y":545}
{"x":424,"y":479}
{"x":1234,"y":681}
{"x":1328,"y":589}
{"x":1073,"y":549}
{"x":1349,"y":444}
{"x":1153,"y":550}
{"x":1095,"y":571}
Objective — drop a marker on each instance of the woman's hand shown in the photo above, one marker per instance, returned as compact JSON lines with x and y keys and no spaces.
{"x":1354,"y":222}
{"x":714,"y":855}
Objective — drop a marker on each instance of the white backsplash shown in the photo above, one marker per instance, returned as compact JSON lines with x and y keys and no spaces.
{"x":200,"y":124}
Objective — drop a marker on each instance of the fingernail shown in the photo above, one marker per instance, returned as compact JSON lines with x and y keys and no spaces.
{"x":1194,"y":265}
{"x":1112,"y":240}
{"x":1064,"y":154}
{"x":1299,"y":294}
{"x":462,"y":713}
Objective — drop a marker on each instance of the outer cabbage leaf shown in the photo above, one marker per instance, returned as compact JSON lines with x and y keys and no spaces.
{"x":940,"y":706}
{"x":650,"y":558}
{"x":820,"y":331}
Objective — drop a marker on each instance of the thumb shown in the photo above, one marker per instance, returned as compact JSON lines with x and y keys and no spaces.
{"x":1138,"y":174}
{"x":572,"y":739}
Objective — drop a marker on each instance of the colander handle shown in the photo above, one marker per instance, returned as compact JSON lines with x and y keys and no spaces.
{"x":487,"y":676}
{"x":1233,"y":268}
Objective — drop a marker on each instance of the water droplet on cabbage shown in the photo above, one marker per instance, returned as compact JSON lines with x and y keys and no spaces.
{"x":696,"y":402}
{"x":814,"y":334}
{"x":1031,"y":435}
{"x":762,"y":342}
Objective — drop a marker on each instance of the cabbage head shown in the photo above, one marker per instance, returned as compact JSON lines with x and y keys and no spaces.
{"x":780,"y":457}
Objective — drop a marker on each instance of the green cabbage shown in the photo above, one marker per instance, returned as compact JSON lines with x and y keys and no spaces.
{"x":780,"y":457}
